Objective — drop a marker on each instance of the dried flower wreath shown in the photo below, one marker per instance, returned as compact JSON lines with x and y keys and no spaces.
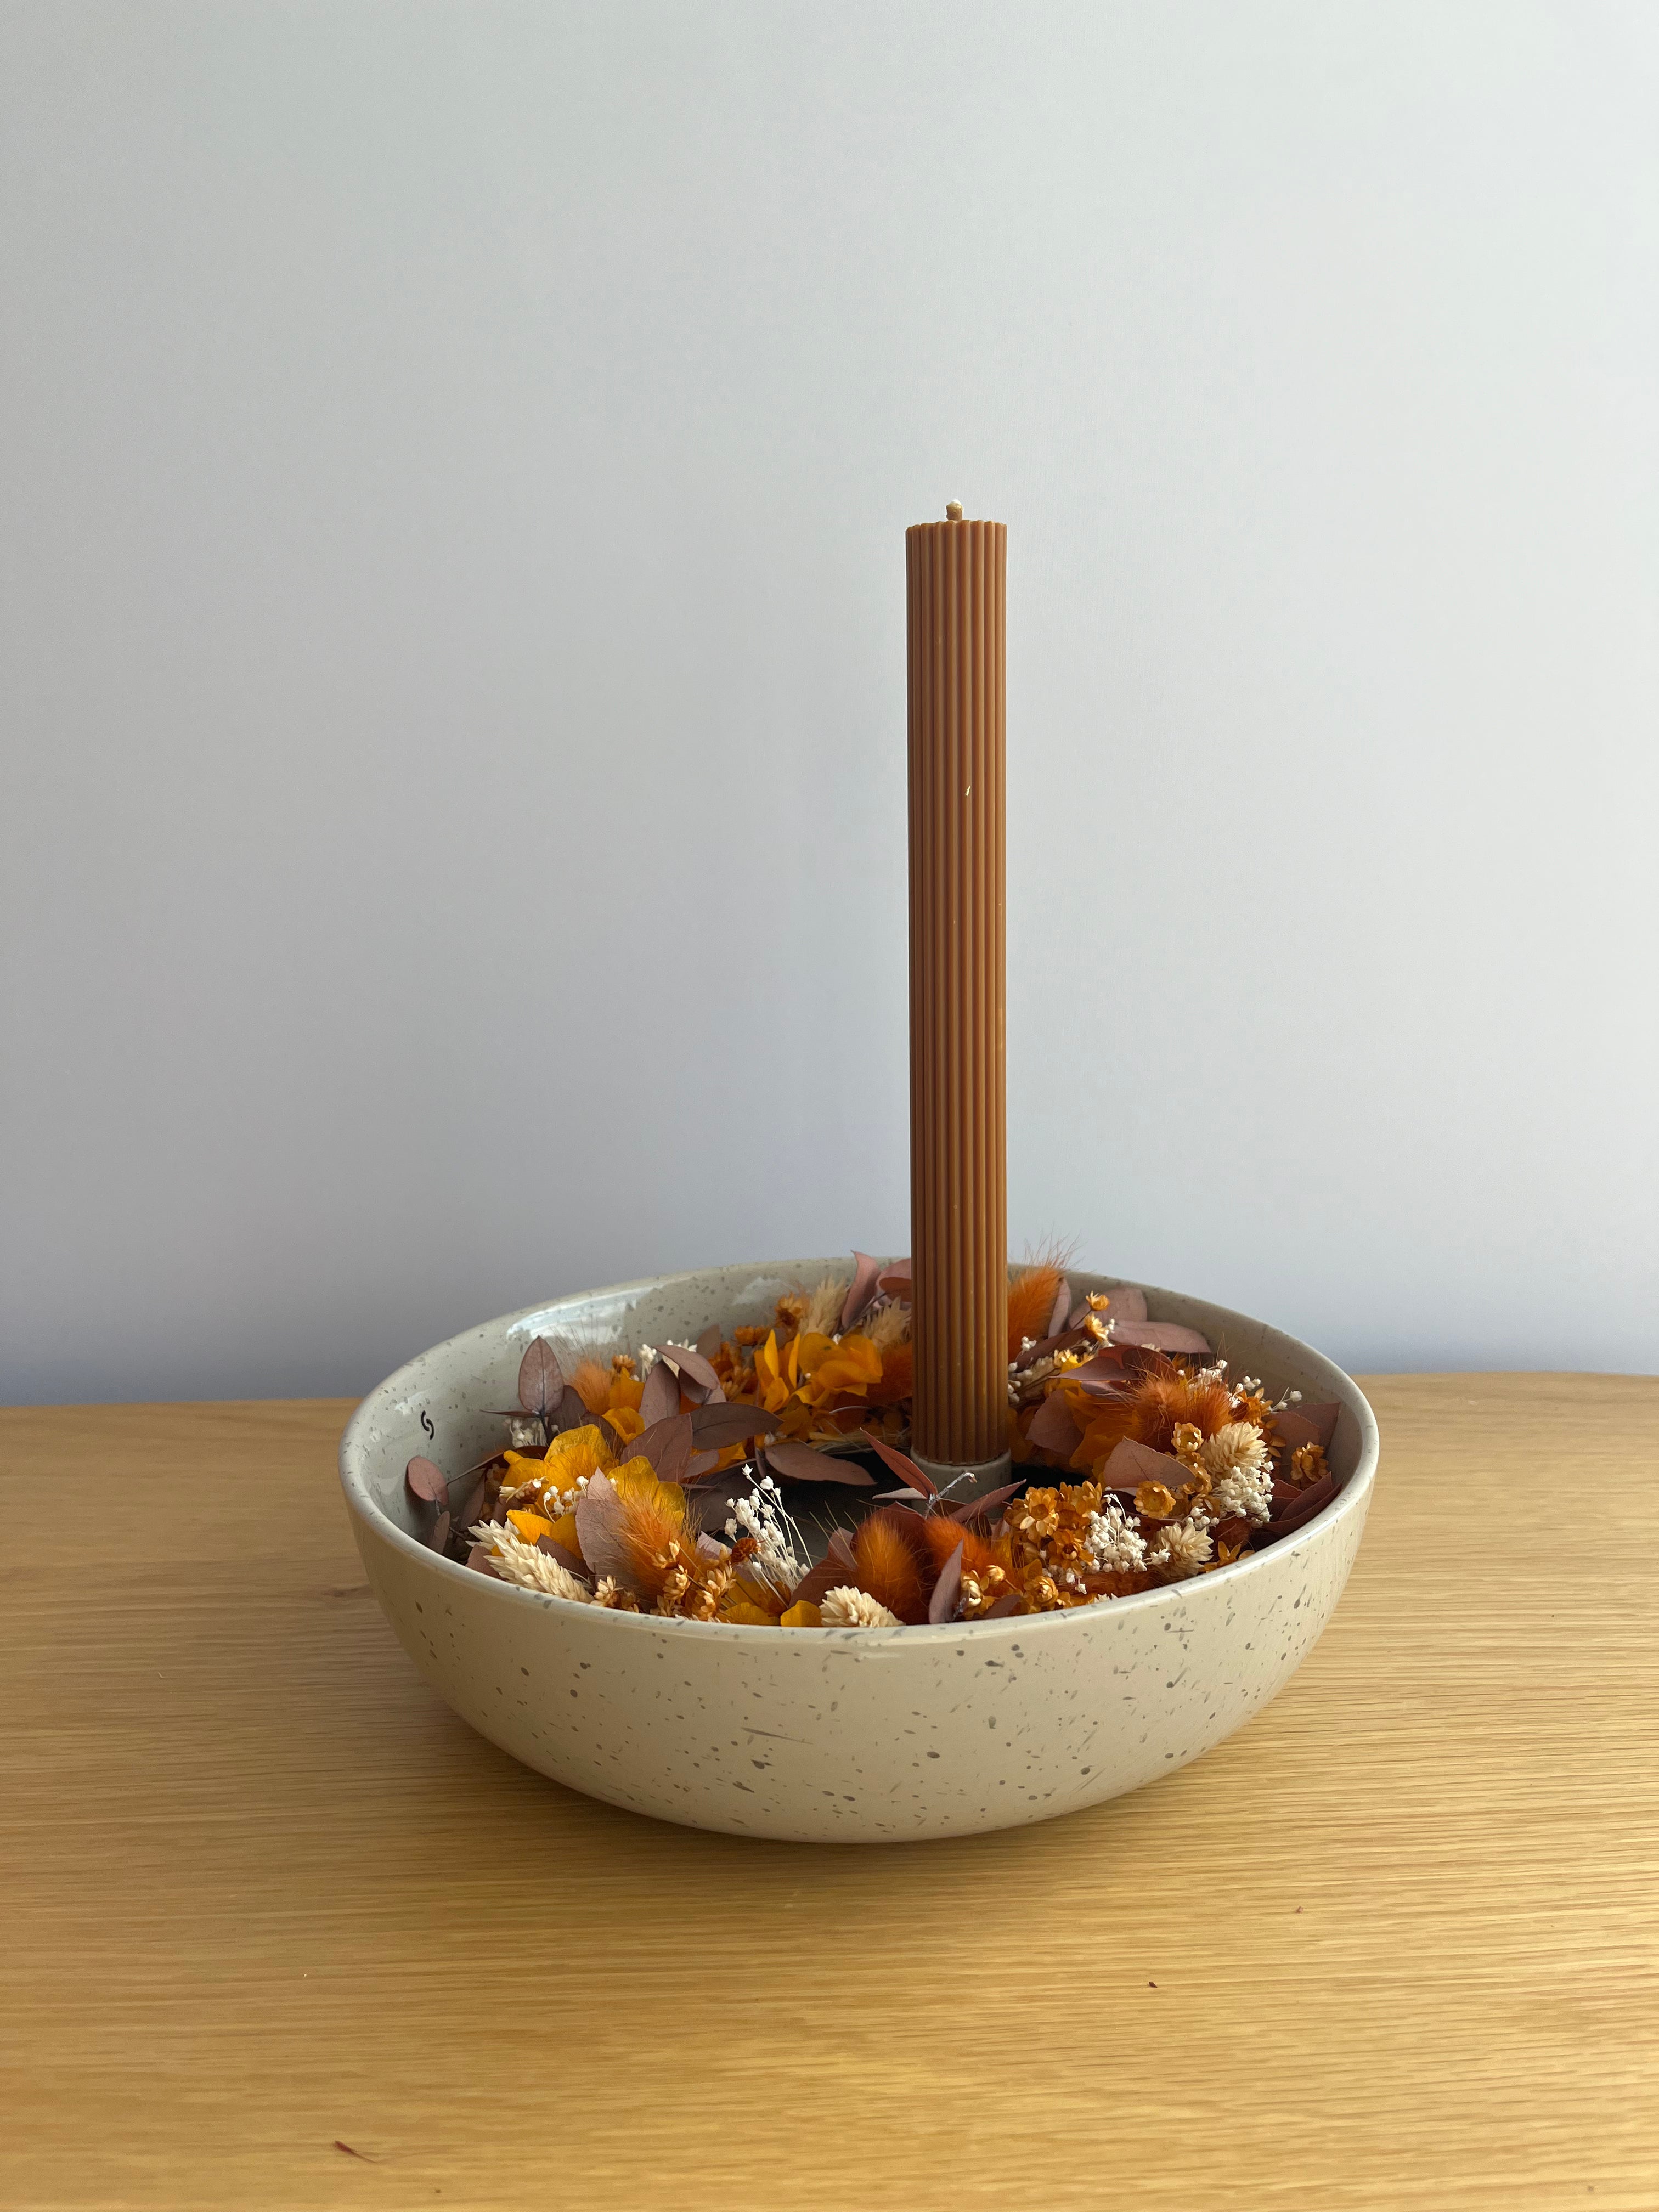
{"x":672,"y":1482}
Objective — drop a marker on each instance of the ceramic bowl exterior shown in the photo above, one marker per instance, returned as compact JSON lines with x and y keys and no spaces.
{"x":840,"y":1736}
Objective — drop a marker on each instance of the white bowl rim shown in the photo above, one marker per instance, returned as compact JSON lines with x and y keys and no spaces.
{"x":1350,"y":1498}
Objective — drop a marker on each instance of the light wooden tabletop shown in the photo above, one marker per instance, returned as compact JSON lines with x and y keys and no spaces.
{"x":1394,"y":1944}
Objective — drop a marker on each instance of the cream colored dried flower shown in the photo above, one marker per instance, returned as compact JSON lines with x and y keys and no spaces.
{"x":1236,"y":1460}
{"x":515,"y":1561}
{"x":852,"y":1608}
{"x":611,"y":1594}
{"x":887,"y":1326}
{"x":1181,"y":1548}
{"x":823,"y":1315}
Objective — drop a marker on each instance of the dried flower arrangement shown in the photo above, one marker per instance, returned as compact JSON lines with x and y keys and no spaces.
{"x":672,"y":1482}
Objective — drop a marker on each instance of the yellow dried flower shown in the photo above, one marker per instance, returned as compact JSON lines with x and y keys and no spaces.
{"x":1308,"y":1463}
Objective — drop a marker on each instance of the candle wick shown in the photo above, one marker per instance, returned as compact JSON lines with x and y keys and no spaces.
{"x":954,"y":510}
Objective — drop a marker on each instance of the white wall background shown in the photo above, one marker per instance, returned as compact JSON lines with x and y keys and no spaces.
{"x":455,"y":465}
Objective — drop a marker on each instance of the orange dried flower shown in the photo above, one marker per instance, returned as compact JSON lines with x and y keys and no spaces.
{"x":1158,"y":1402}
{"x":889,"y":1568}
{"x":1031,"y":1296}
{"x":1308,"y":1464}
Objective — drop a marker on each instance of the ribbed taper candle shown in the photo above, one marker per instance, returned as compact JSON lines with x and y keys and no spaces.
{"x":958,"y":1145}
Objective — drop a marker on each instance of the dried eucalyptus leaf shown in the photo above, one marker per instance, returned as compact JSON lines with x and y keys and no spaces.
{"x":598,"y":1531}
{"x":541,"y":1379}
{"x":1168,"y":1336}
{"x":715,"y":1426}
{"x":660,"y":1401}
{"x":905,"y":1468}
{"x":947,"y":1590}
{"x":798,"y":1462}
{"x":862,"y":1288}
{"x":427,"y":1481}
{"x":974,"y":1508}
{"x":1053,"y":1427}
{"x":667,"y":1445}
{"x":697,"y":1377}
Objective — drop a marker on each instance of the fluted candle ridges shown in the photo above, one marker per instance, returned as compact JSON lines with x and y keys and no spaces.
{"x":958,"y":1145}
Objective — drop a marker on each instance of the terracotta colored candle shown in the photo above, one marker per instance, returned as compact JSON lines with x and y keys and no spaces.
{"x":959,"y":1142}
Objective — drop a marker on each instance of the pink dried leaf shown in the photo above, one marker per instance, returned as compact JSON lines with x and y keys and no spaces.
{"x":1131,"y":1464}
{"x":702,"y":1465}
{"x":697,"y":1378}
{"x":894,"y":1282}
{"x":1053,"y":1427}
{"x":862,"y":1291}
{"x":947,"y":1590}
{"x":709,"y":1342}
{"x":438,"y":1534}
{"x":905,"y":1468}
{"x":1001,"y":1609}
{"x":974,"y":1509}
{"x":1103,"y":1375}
{"x":1323,"y":1421}
{"x":798,"y":1462}
{"x":887,"y":1497}
{"x":1128,"y":1303}
{"x":716,"y":1426}
{"x":572,"y":1562}
{"x":570,"y":1412}
{"x":1166,"y":1336}
{"x":480,"y":1558}
{"x":600,"y":1531}
{"x":541,"y":1379}
{"x":427,"y":1481}
{"x":1062,"y":1309}
{"x":666,"y":1444}
{"x":660,"y":1401}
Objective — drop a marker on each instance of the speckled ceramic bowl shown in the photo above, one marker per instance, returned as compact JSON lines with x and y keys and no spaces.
{"x":845,"y":1735}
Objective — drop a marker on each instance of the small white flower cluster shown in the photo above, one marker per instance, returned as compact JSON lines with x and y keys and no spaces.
{"x":1116,"y":1545}
{"x":761,"y":1515}
{"x":648,"y":1360}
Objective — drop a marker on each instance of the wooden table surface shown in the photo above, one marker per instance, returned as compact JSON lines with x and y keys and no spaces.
{"x":1394,"y":1944}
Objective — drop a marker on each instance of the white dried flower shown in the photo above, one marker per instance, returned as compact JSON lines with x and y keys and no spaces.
{"x":761,"y":1515}
{"x":1241,"y":1481}
{"x":823,"y":1315}
{"x":1115,"y":1544}
{"x":853,"y":1608}
{"x":530,"y":1568}
{"x":524,"y":1432}
{"x":1181,"y":1548}
{"x":648,"y":1356}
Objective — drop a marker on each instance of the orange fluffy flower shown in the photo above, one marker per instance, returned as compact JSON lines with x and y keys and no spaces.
{"x":1031,"y":1296}
{"x":1151,"y":1410}
{"x":898,"y":1375}
{"x":889,"y":1563}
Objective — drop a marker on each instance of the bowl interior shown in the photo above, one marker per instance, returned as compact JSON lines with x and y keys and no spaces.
{"x":447,"y":1403}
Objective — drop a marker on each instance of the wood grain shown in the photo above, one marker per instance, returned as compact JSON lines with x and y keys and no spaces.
{"x":1393,"y":1945}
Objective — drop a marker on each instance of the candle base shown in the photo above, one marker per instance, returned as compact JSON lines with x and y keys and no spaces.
{"x":973,"y":1481}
